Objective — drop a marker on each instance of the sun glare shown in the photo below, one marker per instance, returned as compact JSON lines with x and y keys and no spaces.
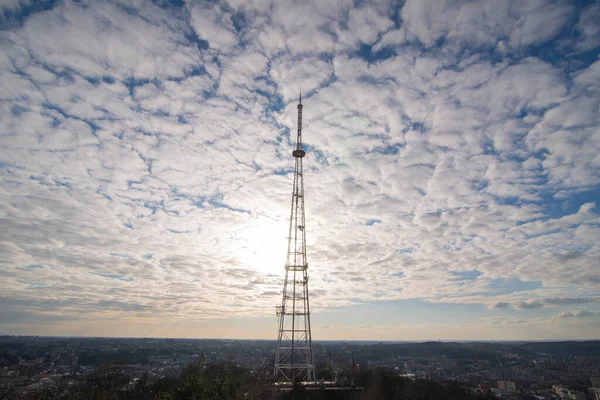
{"x":263,"y":246}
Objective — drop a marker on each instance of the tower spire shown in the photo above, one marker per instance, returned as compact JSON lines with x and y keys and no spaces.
{"x":294,"y":357}
{"x":299,"y":152}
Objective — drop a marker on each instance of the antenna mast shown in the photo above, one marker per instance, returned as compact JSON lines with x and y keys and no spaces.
{"x":294,"y":357}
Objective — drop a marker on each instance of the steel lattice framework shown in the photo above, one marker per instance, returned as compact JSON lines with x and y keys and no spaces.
{"x":294,"y":358}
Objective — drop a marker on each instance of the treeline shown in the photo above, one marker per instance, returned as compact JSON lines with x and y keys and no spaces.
{"x":231,"y":382}
{"x":415,"y":351}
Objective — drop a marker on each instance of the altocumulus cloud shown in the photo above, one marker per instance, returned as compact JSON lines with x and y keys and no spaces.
{"x":453,"y":157}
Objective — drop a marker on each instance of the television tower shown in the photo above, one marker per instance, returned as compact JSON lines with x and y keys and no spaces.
{"x":294,"y":357}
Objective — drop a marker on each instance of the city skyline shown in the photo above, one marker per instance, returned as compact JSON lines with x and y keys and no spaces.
{"x":452,"y":168}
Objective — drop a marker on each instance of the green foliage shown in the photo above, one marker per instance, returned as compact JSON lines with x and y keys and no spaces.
{"x":380,"y":384}
{"x":230,"y":382}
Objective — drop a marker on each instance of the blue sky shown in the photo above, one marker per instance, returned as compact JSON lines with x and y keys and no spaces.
{"x":452,"y":172}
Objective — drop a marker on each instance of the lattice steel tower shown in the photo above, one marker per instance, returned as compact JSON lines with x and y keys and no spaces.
{"x":294,"y":358}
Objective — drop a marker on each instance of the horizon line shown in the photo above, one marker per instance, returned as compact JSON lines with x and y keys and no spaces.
{"x":317,"y":340}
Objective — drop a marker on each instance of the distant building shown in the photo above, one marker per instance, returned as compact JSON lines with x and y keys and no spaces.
{"x":559,"y":391}
{"x":508,"y":386}
{"x":576,"y":395}
{"x":565,"y":393}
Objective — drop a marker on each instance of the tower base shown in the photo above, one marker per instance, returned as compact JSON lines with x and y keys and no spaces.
{"x":315,"y":390}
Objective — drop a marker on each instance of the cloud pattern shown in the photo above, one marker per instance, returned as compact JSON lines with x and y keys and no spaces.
{"x":145,"y":170}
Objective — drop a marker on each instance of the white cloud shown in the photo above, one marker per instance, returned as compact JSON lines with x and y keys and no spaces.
{"x":307,"y":75}
{"x":12,"y":7}
{"x":485,"y":23}
{"x":391,"y":38}
{"x":590,"y":31}
{"x":575,"y":314}
{"x":365,"y":25}
{"x":214,"y":26}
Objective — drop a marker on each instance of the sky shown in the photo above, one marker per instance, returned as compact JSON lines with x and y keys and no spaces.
{"x":452,"y":174}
